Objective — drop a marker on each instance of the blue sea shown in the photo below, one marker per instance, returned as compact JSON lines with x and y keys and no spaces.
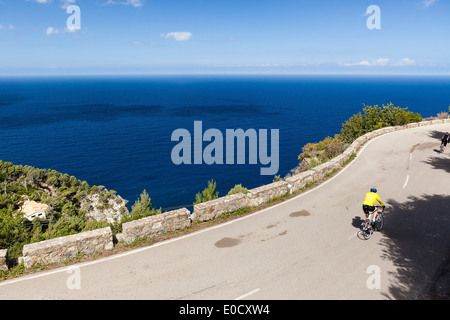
{"x":116,"y":131}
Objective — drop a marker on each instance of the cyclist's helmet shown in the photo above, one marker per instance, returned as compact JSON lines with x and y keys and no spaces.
{"x":373,"y":190}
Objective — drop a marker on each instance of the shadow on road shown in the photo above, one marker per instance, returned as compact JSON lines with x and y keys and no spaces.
{"x":439,"y":163}
{"x":357,"y":222}
{"x":416,"y":237}
{"x":436,"y":135}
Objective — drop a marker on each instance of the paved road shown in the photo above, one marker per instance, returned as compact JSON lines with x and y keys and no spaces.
{"x":304,"y":248}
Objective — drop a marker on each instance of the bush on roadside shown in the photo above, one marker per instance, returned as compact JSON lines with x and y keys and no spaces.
{"x":374,"y":117}
{"x":371,"y":118}
{"x":315,"y":154}
{"x":237,"y":189}
{"x":209,"y":193}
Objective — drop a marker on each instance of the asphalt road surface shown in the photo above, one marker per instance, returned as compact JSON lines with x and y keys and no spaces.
{"x":304,"y":248}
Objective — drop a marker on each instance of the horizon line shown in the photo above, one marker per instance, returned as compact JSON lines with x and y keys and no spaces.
{"x":226,"y":74}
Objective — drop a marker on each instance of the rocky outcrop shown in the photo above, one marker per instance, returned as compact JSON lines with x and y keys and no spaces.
{"x":105,"y":206}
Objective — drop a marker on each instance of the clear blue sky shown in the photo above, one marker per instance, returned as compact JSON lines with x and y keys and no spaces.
{"x":224,"y":36}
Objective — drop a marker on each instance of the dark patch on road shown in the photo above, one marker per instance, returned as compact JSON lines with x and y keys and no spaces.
{"x":227,"y":243}
{"x":282,"y":233}
{"x":302,"y":213}
{"x":424,"y":146}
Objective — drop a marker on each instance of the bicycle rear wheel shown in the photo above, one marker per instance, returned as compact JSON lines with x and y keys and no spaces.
{"x":366,"y":232}
{"x":380,"y":221}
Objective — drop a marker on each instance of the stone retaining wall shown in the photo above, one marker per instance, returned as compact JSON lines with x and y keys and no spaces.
{"x":211,"y":209}
{"x":156,"y":225}
{"x":4,"y":260}
{"x":299,"y":181}
{"x":255,"y":197}
{"x":263,"y":194}
{"x":63,"y":248}
{"x":97,"y":241}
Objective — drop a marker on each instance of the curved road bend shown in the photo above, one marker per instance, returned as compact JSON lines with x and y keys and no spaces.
{"x":304,"y":248}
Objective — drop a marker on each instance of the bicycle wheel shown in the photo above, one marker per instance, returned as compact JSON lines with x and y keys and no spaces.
{"x":365,"y":233}
{"x":380,"y":221}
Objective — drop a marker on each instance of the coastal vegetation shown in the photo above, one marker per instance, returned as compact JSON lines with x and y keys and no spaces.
{"x":237,"y":189}
{"x":371,"y":118}
{"x":142,"y":208}
{"x":73,"y":206}
{"x":209,"y":193}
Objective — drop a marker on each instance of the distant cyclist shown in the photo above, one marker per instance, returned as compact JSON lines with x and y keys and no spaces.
{"x":369,"y":204}
{"x":444,"y":140}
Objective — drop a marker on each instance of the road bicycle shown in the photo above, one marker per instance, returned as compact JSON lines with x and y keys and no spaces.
{"x":367,"y":227}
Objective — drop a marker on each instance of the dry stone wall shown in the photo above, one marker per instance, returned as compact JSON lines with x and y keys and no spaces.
{"x":263,"y":194}
{"x":97,"y":241}
{"x":69,"y":247}
{"x":156,"y":225}
{"x":255,"y":197}
{"x":211,"y":209}
{"x":3,"y":260}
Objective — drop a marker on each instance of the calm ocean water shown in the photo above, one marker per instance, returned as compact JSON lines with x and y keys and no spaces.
{"x":116,"y":131}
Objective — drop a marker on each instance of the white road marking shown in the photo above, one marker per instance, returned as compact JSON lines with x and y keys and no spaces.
{"x":247,"y":294}
{"x":409,"y":167}
{"x":352,"y":236}
{"x":406,"y":182}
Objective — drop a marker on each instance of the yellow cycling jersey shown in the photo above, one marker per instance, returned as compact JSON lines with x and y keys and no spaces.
{"x":371,"y":198}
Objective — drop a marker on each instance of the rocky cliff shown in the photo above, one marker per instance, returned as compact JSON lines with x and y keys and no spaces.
{"x":111,"y":207}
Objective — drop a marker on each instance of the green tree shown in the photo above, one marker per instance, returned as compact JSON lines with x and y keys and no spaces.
{"x":142,"y":207}
{"x":12,"y":231}
{"x":209,"y":193}
{"x":69,"y":210}
{"x":374,"y":117}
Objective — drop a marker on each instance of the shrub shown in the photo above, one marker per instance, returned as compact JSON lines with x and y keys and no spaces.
{"x":237,"y":189}
{"x":142,"y":208}
{"x":207,"y":194}
{"x":12,"y":231}
{"x":442,"y":115}
{"x":315,"y":154}
{"x":372,"y":118}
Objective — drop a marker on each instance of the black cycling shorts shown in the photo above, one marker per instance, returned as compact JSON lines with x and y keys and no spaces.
{"x":368,"y":209}
{"x":444,"y":142}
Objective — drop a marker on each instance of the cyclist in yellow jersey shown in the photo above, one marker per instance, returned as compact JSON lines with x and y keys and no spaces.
{"x":369,"y":204}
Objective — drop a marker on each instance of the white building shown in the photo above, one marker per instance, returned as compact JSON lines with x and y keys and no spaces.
{"x":33,"y":209}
